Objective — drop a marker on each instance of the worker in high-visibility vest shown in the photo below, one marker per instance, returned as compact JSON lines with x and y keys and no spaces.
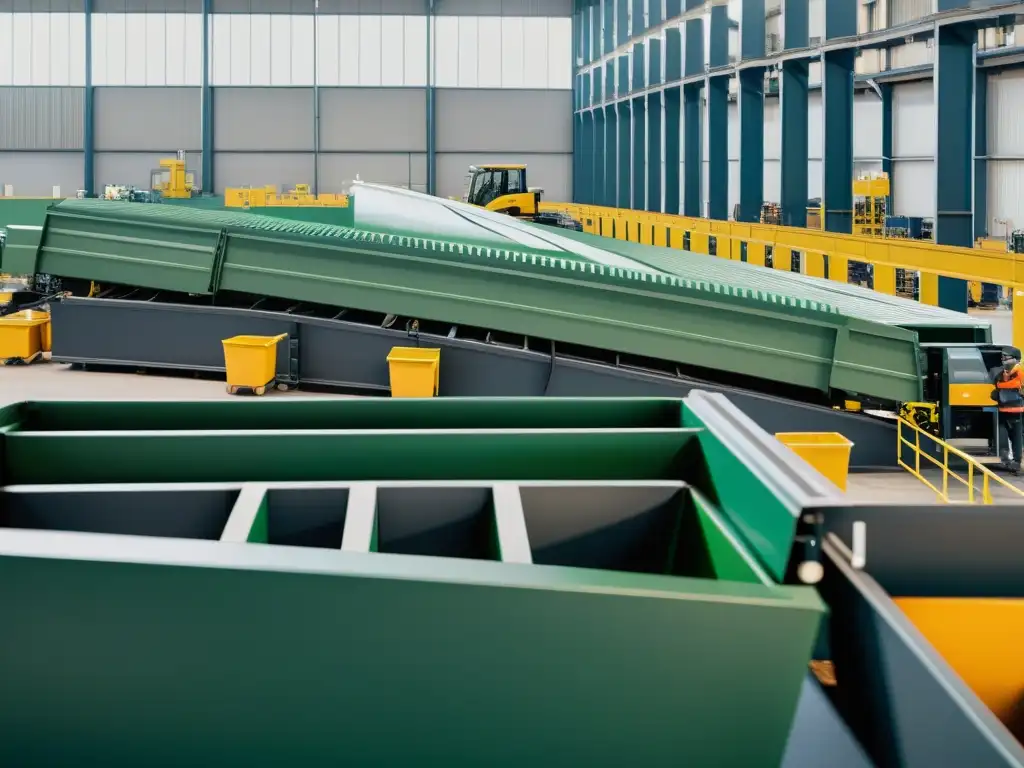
{"x":1009,"y":398}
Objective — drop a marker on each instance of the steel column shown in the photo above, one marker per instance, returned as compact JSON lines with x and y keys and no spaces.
{"x":639,"y":153}
{"x":751,"y":114}
{"x":431,"y":95}
{"x":587,"y":167}
{"x":793,"y":107}
{"x":610,"y":147}
{"x":622,"y":197}
{"x":693,"y":65}
{"x":577,"y":141}
{"x":654,"y":102}
{"x":673,"y":114}
{"x":717,"y":89}
{"x":207,"y":102}
{"x":654,"y":173}
{"x":886,"y":89}
{"x":608,"y":33}
{"x":88,"y":119}
{"x":599,"y":156}
{"x":980,"y":153}
{"x":638,"y":18}
{"x":316,"y":105}
{"x":837,"y":116}
{"x":954,"y":80}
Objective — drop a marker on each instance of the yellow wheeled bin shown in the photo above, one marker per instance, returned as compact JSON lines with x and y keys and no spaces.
{"x":415,"y":371}
{"x":24,"y":335}
{"x":827,"y":452}
{"x":251,"y":362}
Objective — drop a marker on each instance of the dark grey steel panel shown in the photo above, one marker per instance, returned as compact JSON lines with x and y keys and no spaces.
{"x":337,"y":353}
{"x":819,"y":736}
{"x":900,"y":697}
{"x":189,"y":514}
{"x":939,"y":550}
{"x":306,"y":517}
{"x":442,"y":522}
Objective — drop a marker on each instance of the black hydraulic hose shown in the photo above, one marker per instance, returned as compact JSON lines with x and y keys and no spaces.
{"x":11,"y":308}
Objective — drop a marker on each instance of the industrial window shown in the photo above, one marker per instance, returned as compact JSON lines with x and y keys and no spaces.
{"x":146,"y":48}
{"x":502,"y":52}
{"x":42,"y":49}
{"x":261,"y":49}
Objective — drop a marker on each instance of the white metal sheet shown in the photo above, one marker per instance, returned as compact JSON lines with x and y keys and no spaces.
{"x":913,"y":192}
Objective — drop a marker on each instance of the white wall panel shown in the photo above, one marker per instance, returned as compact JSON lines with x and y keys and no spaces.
{"x":733,"y":140}
{"x":147,"y":48}
{"x":241,"y":169}
{"x":772,"y":129}
{"x":41,"y":118}
{"x":913,"y":55}
{"x":815,"y":178}
{"x":42,"y":49}
{"x":772,"y":181}
{"x":502,"y":52}
{"x":1005,"y":127}
{"x":1005,"y":196}
{"x":913,"y":120}
{"x":339,"y":170}
{"x":815,"y":125}
{"x":35,"y":174}
{"x":553,"y":173}
{"x":905,"y":11}
{"x":913,"y":188}
{"x":867,"y":126}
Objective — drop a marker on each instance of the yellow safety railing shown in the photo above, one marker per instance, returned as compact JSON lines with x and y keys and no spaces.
{"x":969,"y":478}
{"x":823,"y":254}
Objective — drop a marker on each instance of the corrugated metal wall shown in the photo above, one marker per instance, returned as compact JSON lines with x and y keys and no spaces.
{"x":1006,"y":148}
{"x":913,"y":144}
{"x":35,"y":174}
{"x":41,"y":118}
{"x":905,"y":11}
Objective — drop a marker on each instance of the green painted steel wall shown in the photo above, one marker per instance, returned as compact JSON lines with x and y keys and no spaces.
{"x":27,"y":211}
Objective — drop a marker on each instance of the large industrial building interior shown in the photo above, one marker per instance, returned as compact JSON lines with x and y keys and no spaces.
{"x":563,"y":383}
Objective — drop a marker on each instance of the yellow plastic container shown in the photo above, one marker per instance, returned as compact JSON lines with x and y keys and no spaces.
{"x":24,"y":335}
{"x":415,"y":371}
{"x":827,"y":452}
{"x":251,"y":361}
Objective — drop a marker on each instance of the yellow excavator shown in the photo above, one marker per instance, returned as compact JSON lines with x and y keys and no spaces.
{"x":503,"y":189}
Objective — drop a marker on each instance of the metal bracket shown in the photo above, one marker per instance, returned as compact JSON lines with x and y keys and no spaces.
{"x":218,"y":261}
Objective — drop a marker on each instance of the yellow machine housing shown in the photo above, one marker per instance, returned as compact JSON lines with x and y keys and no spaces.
{"x":502,"y":188}
{"x":171,"y":179}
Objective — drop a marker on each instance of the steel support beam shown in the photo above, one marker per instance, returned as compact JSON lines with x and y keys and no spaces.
{"x":88,"y":116}
{"x":431,"y":97}
{"x":655,"y":76}
{"x":673,"y":139}
{"x":887,"y":137}
{"x":610,"y":159}
{"x":691,"y":151}
{"x":599,"y":156}
{"x":654,"y":174}
{"x":717,"y":91}
{"x":793,"y":106}
{"x":751,"y":114}
{"x":577,"y":142}
{"x":315,"y":187}
{"x":589,"y":192}
{"x":622,"y":198}
{"x":207,"y":102}
{"x":693,"y":66}
{"x":639,"y":153}
{"x":954,"y":80}
{"x":837,"y":116}
{"x":980,"y":153}
{"x":608,"y":33}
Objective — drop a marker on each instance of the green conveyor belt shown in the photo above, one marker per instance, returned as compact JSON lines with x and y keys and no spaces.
{"x":698,"y":312}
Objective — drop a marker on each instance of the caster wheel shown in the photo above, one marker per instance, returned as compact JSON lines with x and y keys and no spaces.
{"x":259,"y":391}
{"x":282,"y":387}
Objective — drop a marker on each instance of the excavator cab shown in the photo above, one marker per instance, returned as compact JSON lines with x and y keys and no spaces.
{"x":502,"y":188}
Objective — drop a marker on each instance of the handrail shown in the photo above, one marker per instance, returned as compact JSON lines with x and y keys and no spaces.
{"x":974,"y":467}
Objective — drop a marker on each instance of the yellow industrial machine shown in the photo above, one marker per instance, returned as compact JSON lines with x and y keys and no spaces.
{"x":171,"y":179}
{"x":299,"y":196}
{"x":870,"y":205}
{"x":502,"y":188}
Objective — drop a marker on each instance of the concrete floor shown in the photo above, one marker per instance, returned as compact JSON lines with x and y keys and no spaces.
{"x":50,"y":381}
